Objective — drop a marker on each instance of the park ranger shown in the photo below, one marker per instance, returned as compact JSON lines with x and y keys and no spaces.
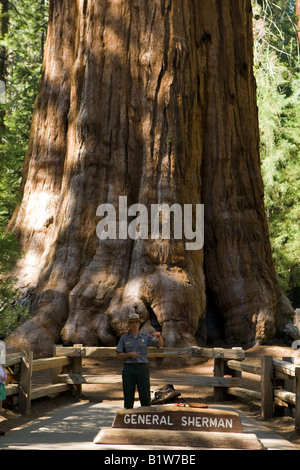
{"x":132,"y":349}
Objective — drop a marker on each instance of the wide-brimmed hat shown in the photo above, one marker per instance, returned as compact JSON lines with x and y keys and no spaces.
{"x":134,"y":317}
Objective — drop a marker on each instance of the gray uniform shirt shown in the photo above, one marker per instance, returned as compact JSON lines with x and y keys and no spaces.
{"x":128,"y":343}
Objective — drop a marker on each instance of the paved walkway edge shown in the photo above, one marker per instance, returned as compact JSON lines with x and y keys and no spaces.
{"x":74,"y":427}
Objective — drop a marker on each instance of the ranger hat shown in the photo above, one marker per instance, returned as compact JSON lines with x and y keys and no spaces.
{"x":134,"y":317}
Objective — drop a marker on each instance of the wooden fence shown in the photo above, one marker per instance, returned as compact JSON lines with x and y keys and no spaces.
{"x":22,"y":367}
{"x":279,"y":379}
{"x":280,"y":385}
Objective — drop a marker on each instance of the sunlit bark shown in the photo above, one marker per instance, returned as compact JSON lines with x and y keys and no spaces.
{"x":153,"y":100}
{"x":297,"y":7}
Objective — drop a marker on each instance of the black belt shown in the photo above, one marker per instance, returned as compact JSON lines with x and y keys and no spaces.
{"x":135,"y":363}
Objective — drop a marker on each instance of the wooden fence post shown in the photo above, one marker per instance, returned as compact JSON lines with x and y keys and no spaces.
{"x":25,"y":383}
{"x":76,"y":368}
{"x":55,"y":370}
{"x":288,"y":385}
{"x":297,"y":405}
{"x":219,"y":392}
{"x":233,"y":372}
{"x":267,"y":387}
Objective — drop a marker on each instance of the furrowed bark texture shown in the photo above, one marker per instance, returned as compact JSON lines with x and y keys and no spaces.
{"x":153,"y":100}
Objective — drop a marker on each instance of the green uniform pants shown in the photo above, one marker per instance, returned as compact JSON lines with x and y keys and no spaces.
{"x":136,"y":375}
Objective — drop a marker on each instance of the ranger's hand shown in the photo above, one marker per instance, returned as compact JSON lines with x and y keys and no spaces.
{"x":135,"y":355}
{"x":156,"y":334}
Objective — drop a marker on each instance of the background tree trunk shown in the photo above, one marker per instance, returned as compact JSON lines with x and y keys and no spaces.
{"x":154,"y":100}
{"x":297,"y":10}
{"x":3,"y":58}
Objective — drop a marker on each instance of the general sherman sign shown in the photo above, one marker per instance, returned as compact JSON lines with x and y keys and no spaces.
{"x":178,"y":418}
{"x":186,"y":421}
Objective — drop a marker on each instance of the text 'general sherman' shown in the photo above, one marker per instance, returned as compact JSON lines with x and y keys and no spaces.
{"x":161,"y":222}
{"x":157,"y":420}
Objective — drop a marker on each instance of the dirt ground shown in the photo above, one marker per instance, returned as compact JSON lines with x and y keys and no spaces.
{"x":10,"y":419}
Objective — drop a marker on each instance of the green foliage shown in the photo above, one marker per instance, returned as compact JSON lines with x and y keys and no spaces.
{"x":278,"y":83}
{"x":23,"y":45}
{"x":12,"y":313}
{"x":24,"y":50}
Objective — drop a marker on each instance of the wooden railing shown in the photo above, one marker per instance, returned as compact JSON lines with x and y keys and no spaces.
{"x":280,"y":385}
{"x":77,"y":352}
{"x":71,"y":378}
{"x":279,"y":379}
{"x":23,"y":365}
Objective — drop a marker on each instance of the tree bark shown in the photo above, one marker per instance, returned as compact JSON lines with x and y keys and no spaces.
{"x":3,"y":31}
{"x":3,"y":60}
{"x":297,"y":11}
{"x":153,"y":100}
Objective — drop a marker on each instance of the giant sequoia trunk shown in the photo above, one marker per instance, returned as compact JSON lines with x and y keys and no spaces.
{"x":297,"y":11}
{"x":153,"y":100}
